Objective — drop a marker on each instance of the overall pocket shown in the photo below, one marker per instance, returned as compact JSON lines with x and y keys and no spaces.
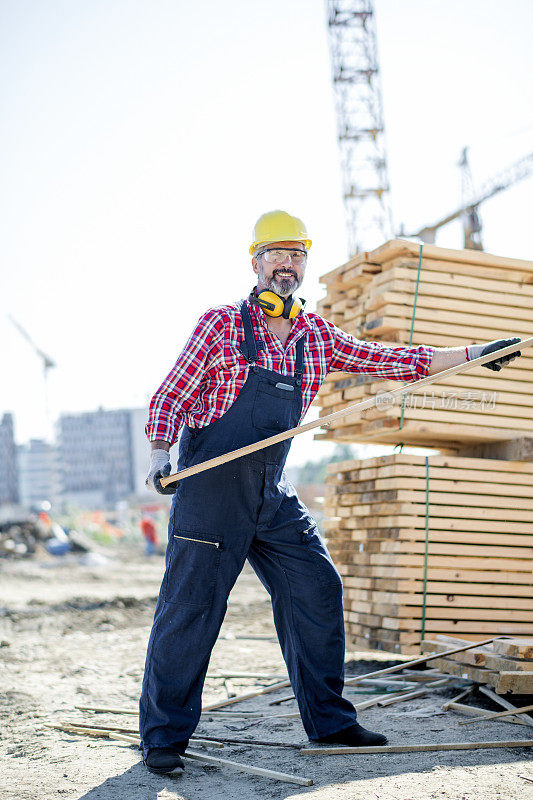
{"x":192,"y":571}
{"x":273,"y":405}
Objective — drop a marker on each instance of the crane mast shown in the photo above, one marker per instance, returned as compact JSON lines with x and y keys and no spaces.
{"x":355,"y":67}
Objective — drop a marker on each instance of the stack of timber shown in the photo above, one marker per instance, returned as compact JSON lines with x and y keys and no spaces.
{"x":464,"y":297}
{"x":479,"y":517}
{"x":505,"y":664}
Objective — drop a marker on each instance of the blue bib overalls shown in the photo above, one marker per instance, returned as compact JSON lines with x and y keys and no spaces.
{"x":244,"y":509}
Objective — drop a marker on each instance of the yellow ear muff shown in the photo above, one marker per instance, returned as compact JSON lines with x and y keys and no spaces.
{"x":295,"y":308}
{"x":271,"y":304}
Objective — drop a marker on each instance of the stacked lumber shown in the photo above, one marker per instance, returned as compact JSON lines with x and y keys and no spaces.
{"x":464,"y":297}
{"x":480,"y":547}
{"x":505,"y":664}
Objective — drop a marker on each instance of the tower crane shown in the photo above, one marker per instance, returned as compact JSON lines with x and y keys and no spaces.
{"x":468,"y":211}
{"x":48,"y":363}
{"x":355,"y":68}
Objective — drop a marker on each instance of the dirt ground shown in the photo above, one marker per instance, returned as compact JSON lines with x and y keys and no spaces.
{"x":75,"y":634}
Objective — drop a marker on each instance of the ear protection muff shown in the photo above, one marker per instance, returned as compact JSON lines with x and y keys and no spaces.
{"x":275,"y":306}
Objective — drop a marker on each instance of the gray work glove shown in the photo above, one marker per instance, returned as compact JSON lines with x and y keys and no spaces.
{"x":477,"y":350}
{"x":159,"y":468}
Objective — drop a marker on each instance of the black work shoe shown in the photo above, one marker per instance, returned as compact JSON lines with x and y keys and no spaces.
{"x":162,"y":760}
{"x":354,"y":736}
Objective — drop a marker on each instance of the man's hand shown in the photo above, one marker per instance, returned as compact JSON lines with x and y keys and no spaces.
{"x":159,"y":468}
{"x":477,"y":350}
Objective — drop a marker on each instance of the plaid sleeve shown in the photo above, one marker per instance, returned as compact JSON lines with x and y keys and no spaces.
{"x":395,"y":363}
{"x":180,"y":388}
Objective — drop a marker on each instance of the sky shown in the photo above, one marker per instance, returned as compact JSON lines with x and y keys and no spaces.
{"x":141,"y":140}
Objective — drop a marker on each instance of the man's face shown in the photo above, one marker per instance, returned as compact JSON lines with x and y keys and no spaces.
{"x":280,"y":276}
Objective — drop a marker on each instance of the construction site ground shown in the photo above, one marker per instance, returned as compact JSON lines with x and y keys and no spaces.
{"x":75,"y":634}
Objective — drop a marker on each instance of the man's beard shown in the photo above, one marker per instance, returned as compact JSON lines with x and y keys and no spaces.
{"x":282,"y":286}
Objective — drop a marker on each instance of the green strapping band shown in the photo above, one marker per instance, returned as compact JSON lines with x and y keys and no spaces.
{"x":424,"y":591}
{"x":411,"y":333}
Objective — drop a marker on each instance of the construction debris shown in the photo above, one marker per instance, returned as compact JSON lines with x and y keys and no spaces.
{"x":485,"y":665}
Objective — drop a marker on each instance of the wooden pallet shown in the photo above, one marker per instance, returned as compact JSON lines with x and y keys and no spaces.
{"x":462,"y":299}
{"x":480,"y":547}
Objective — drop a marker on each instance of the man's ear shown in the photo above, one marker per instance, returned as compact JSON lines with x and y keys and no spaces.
{"x":255,"y":266}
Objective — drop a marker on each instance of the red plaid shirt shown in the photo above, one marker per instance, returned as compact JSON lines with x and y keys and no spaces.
{"x":210,"y":371}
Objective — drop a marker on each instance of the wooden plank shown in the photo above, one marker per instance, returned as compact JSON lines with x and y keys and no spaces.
{"x":407,"y":275}
{"x":410,"y":547}
{"x":459,"y":268}
{"x":464,"y":564}
{"x":428,"y":302}
{"x":515,"y":682}
{"x":415,"y":748}
{"x":407,"y":604}
{"x":474,"y":333}
{"x":442,"y":472}
{"x":437,"y":460}
{"x":468,"y":671}
{"x":474,"y":711}
{"x":509,"y":664}
{"x":520,"y":487}
{"x":400,"y":247}
{"x":515,"y":648}
{"x":454,"y":574}
{"x":450,"y":316}
{"x":428,"y":431}
{"x":494,"y":590}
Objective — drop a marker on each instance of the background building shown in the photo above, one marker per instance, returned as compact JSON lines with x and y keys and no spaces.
{"x":103,"y":456}
{"x":8,"y":462}
{"x":39,"y":479}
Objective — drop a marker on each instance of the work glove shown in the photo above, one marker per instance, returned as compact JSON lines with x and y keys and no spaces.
{"x":477,"y":350}
{"x":159,"y":468}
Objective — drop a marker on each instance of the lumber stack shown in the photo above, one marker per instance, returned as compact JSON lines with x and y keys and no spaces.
{"x":505,"y":664}
{"x":479,"y":554}
{"x":464,"y":297}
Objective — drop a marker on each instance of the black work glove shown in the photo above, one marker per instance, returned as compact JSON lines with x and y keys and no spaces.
{"x":477,"y":350}
{"x":163,"y":473}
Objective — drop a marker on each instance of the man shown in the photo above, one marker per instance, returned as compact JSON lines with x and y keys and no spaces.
{"x":149,"y":532}
{"x":248,"y":371}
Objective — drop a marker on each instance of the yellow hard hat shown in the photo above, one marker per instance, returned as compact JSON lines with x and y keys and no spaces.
{"x":278,"y":226}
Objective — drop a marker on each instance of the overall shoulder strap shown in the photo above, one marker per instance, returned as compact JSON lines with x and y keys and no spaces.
{"x":249,"y":346}
{"x":299,"y":360}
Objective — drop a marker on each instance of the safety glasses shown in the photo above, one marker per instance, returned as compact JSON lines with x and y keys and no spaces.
{"x":276,"y":255}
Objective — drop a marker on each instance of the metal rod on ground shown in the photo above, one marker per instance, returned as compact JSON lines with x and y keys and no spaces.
{"x":230,"y":700}
{"x":105,"y":733}
{"x":253,"y":742}
{"x":324,"y":422}
{"x":388,"y":701}
{"x":109,"y":710}
{"x":123,"y":738}
{"x":254,"y":675}
{"x":117,"y":729}
{"x":414,"y":748}
{"x":399,"y":667}
{"x":259,"y":715}
{"x":265,"y":773}
{"x":498,"y":714}
{"x":401,"y":696}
